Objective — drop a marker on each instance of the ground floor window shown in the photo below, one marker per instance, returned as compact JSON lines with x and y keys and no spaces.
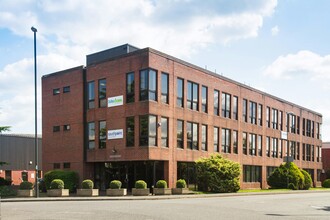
{"x":251,"y":173}
{"x":187,"y":171}
{"x":270,"y":170}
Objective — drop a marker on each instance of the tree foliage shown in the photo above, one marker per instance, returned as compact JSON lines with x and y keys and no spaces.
{"x":217,"y":174}
{"x":70,"y":178}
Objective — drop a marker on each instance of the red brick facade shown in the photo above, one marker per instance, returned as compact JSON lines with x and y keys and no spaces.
{"x":71,"y":109}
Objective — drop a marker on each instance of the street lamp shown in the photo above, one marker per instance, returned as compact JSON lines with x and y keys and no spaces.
{"x":34,"y":30}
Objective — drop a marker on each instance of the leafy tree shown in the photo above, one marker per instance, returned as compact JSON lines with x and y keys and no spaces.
{"x":217,"y":174}
{"x":4,"y":128}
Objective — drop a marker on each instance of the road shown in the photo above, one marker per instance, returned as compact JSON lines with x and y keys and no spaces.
{"x":313,"y":205}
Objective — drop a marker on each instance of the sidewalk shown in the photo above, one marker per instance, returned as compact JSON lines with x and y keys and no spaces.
{"x":73,"y":197}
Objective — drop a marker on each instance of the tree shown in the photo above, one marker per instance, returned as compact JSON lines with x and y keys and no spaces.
{"x":217,"y":174}
{"x":4,"y":128}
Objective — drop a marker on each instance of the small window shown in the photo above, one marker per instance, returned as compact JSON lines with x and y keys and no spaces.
{"x":66,"y":127}
{"x":56,"y":91}
{"x":57,"y":166}
{"x":66,"y":165}
{"x":66,"y":89}
{"x":56,"y":128}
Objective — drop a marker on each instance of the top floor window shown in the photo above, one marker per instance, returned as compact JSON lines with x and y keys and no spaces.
{"x":102,"y":93}
{"x":164,"y":97}
{"x":253,"y":113}
{"x":225,"y":103}
{"x":56,"y":91}
{"x":148,"y":85}
{"x":216,"y":102}
{"x":179,"y":92}
{"x":274,"y":118}
{"x":91,"y":94}
{"x":260,"y":114}
{"x":192,"y":96}
{"x":130,"y":82}
{"x":280,"y":120}
{"x":244,"y":110}
{"x":235,"y":107}
{"x":204,"y":99}
{"x":66,"y":89}
{"x":268,"y":116}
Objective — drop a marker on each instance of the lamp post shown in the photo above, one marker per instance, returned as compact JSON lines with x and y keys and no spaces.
{"x":34,"y":30}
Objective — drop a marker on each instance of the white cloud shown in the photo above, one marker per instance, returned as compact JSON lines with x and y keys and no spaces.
{"x":275,"y":30}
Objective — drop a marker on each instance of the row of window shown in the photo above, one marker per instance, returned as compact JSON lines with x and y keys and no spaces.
{"x":57,"y":128}
{"x":57,"y":91}
{"x":66,"y":165}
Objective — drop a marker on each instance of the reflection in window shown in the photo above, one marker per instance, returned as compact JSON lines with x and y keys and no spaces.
{"x":148,"y":85}
{"x":245,"y":110}
{"x":102,"y":134}
{"x":204,"y":137}
{"x":179,"y":133}
{"x":130,"y":94}
{"x":225,"y":102}
{"x":91,"y":95}
{"x":216,"y":102}
{"x":244,"y":143}
{"x":130,"y":131}
{"x":235,"y":107}
{"x":192,"y":136}
{"x":253,"y":113}
{"x":164,"y":97}
{"x":102,"y":93}
{"x":235,"y":142}
{"x":216,"y":139}
{"x":91,"y":135}
{"x":164,"y":132}
{"x":225,"y":148}
{"x":192,"y":96}
{"x":179,"y":91}
{"x":204,"y":99}
{"x":148,"y":130}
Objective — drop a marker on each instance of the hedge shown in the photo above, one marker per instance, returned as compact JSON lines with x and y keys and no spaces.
{"x":70,"y":178}
{"x":161,"y":184}
{"x":115,"y":184}
{"x":87,"y":184}
{"x":140,"y":184}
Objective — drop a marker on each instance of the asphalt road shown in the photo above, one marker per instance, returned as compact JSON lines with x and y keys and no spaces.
{"x":278,"y":206}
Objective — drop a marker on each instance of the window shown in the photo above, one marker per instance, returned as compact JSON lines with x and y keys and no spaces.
{"x":280,"y":120}
{"x":318,"y":132}
{"x":244,"y":110}
{"x":164,"y":131}
{"x":308,"y":128}
{"x":90,"y":95}
{"x":148,"y":130}
{"x":56,"y":166}
{"x":192,"y":96}
{"x":274,"y":118}
{"x":130,"y":84}
{"x":252,"y":144}
{"x":102,"y":93}
{"x":259,"y":142}
{"x":274,"y":148}
{"x":179,"y":134}
{"x":280,"y":155}
{"x":244,"y":142}
{"x":204,"y":137}
{"x":130,"y":131}
{"x":308,"y":152}
{"x":293,"y":149}
{"x":235,"y":142}
{"x":102,"y":134}
{"x":304,"y":126}
{"x":225,"y":103}
{"x":216,"y":139}
{"x":235,"y":107}
{"x":179,"y":92}
{"x":56,"y":91}
{"x":91,"y":135}
{"x":8,"y":174}
{"x":268,"y":116}
{"x":293,"y":123}
{"x":270,"y":170}
{"x":216,"y":102}
{"x":319,"y":150}
{"x":303,"y":151}
{"x":164,"y":96}
{"x":66,"y":165}
{"x":268,"y":146}
{"x":148,"y":85}
{"x":260,"y":114}
{"x":225,"y":147}
{"x":56,"y":128}
{"x":204,"y":99}
{"x":25,"y":176}
{"x":66,"y":89}
{"x":66,"y":127}
{"x":298,"y":151}
{"x":253,"y":113}
{"x":298,"y":125}
{"x":312,"y":129}
{"x":192,"y":136}
{"x":251,"y":173}
{"x":312,"y":153}
{"x":319,"y":173}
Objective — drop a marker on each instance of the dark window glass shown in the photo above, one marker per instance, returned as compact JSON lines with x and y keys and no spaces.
{"x":204,"y":99}
{"x":102,"y":134}
{"x":253,"y":113}
{"x":275,"y":118}
{"x":56,"y":91}
{"x":259,"y":142}
{"x":204,"y":137}
{"x":192,"y":136}
{"x":244,"y":143}
{"x":216,"y":102}
{"x":66,"y":89}
{"x":148,"y":85}
{"x":91,"y":95}
{"x":274,"y":152}
{"x":245,"y":110}
{"x":251,"y":174}
{"x":280,"y":120}
{"x":66,"y":127}
{"x":56,"y":128}
{"x":102,"y":93}
{"x":260,"y":114}
{"x":56,"y":166}
{"x":252,"y":144}
{"x":268,"y":116}
{"x":25,"y":176}
{"x":164,"y":97}
{"x":225,"y":103}
{"x":179,"y":133}
{"x":225,"y":147}
{"x":130,"y":82}
{"x":216,"y":139}
{"x":192,"y":96}
{"x":179,"y":90}
{"x":148,"y":130}
{"x":91,"y":135}
{"x":235,"y":142}
{"x":66,"y":165}
{"x":130,"y":131}
{"x":268,"y":146}
{"x":235,"y":107}
{"x":164,"y":132}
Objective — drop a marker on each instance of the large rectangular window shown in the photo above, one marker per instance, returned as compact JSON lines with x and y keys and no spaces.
{"x":148,"y":85}
{"x":179,"y":92}
{"x":235,"y":107}
{"x":91,"y":95}
{"x":268,"y":146}
{"x":164,"y":97}
{"x":179,"y":134}
{"x":260,"y":114}
{"x":244,"y":110}
{"x":244,"y":143}
{"x":268,"y":117}
{"x":91,"y":135}
{"x":192,"y":96}
{"x":226,"y":105}
{"x":192,"y":136}
{"x":216,"y":139}
{"x":253,"y":112}
{"x":102,"y":93}
{"x":235,"y":142}
{"x":130,"y":92}
{"x":280,"y":120}
{"x":148,"y":130}
{"x":280,"y":150}
{"x":251,"y":174}
{"x":102,"y":134}
{"x":216,"y":102}
{"x":164,"y":130}
{"x":204,"y":137}
{"x":225,"y":147}
{"x":252,"y":144}
{"x":130,"y":131}
{"x":274,"y":118}
{"x":275,"y":148}
{"x":259,"y":142}
{"x":204,"y":99}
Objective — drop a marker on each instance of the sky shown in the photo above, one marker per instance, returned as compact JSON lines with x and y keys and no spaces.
{"x":278,"y":46}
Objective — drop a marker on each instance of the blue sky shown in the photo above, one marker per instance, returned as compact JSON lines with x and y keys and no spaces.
{"x":278,"y":46}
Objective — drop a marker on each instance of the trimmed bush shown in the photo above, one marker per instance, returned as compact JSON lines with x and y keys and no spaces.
{"x":5,"y":182}
{"x":57,"y":184}
{"x":115,"y":184}
{"x":326,"y":183}
{"x":87,"y":184}
{"x":70,"y":178}
{"x":217,"y":174}
{"x":25,"y":185}
{"x":161,"y":184}
{"x":307,"y":180}
{"x":140,"y":184}
{"x":181,"y":183}
{"x":7,"y":191}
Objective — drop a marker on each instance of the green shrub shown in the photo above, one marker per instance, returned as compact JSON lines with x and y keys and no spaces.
{"x":57,"y":184}
{"x":5,"y":182}
{"x":181,"y":183}
{"x":87,"y":184}
{"x":217,"y":174}
{"x":25,"y":185}
{"x":161,"y":184}
{"x":326,"y":183}
{"x":140,"y":184}
{"x":307,"y":180}
{"x":70,"y":178}
{"x":7,"y":191}
{"x":115,"y":184}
